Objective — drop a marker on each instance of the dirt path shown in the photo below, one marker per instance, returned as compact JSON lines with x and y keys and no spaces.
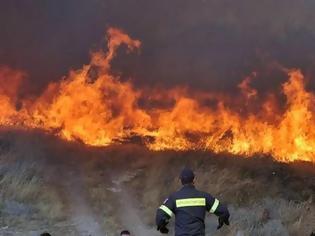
{"x":130,"y":216}
{"x":80,"y":213}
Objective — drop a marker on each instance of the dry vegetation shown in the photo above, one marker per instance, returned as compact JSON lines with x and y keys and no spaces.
{"x":47,"y":184}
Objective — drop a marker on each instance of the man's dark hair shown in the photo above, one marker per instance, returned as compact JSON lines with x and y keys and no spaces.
{"x":187,"y":176}
{"x":186,"y":181}
{"x":45,"y":234}
{"x":126,"y":232}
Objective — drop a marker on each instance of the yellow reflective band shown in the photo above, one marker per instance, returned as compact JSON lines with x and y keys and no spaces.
{"x":214,"y":206}
{"x":189,"y":202}
{"x":166,"y":210}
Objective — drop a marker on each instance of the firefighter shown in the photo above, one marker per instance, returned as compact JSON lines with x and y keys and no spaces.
{"x":190,"y":207}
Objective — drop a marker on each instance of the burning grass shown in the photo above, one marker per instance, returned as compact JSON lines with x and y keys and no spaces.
{"x":98,"y":108}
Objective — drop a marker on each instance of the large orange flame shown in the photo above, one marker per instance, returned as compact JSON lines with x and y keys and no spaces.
{"x":95,"y":107}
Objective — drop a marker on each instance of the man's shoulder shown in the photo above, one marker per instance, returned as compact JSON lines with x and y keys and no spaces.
{"x":173,"y":195}
{"x":177,"y":194}
{"x":204,"y":194}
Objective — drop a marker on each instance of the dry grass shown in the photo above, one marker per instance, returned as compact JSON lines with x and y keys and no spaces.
{"x":22,"y":181}
{"x":250,"y":194}
{"x":28,"y":201}
{"x":123,"y":186}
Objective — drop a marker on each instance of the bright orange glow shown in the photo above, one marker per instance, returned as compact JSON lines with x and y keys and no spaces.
{"x":95,"y":107}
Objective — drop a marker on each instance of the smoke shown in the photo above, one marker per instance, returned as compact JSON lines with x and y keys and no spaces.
{"x":207,"y":44}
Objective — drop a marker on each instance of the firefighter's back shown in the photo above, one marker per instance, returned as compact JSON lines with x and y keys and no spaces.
{"x":189,"y":207}
{"x":190,"y":211}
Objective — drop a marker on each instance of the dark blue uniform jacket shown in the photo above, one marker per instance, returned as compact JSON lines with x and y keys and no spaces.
{"x":189,"y":207}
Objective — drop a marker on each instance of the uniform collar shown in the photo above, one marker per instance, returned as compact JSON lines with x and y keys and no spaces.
{"x":188,"y":186}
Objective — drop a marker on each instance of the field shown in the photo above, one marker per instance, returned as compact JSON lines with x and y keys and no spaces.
{"x":67,"y":188}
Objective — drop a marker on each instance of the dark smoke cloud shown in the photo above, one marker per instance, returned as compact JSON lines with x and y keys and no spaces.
{"x":209,"y":44}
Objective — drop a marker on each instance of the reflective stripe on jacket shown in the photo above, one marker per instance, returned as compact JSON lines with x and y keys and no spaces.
{"x":189,"y":207}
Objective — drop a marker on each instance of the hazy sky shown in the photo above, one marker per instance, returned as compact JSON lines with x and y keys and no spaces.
{"x":210,"y":44}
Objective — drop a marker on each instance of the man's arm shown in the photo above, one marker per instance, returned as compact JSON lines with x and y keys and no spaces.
{"x":163,"y":214}
{"x":214,"y":206}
